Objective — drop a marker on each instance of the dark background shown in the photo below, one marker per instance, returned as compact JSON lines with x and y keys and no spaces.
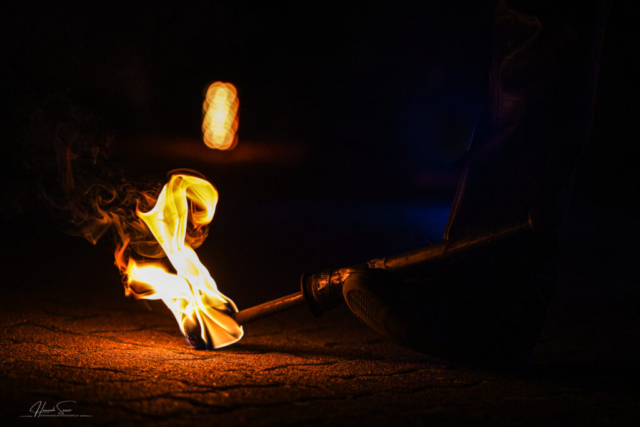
{"x":354,"y":123}
{"x":353,"y":127}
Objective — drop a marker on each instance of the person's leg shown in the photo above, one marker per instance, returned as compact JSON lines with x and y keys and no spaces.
{"x":490,"y":307}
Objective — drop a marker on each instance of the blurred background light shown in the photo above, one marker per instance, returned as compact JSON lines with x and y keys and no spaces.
{"x":220,"y":122}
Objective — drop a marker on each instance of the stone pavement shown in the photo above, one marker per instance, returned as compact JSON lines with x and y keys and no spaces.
{"x":123,"y":364}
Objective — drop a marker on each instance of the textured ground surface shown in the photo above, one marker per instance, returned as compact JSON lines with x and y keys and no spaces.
{"x":125,"y":365}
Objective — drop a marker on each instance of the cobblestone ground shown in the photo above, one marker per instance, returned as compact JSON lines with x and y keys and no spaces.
{"x":125,"y":365}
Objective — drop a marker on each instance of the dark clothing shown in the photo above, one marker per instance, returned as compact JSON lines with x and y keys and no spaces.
{"x":490,"y":307}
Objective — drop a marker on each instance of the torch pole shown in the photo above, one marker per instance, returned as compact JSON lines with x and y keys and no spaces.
{"x":268,"y":308}
{"x":323,"y":291}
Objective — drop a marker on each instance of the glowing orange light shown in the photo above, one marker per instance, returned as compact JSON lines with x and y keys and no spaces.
{"x":220,"y":116}
{"x":190,"y":293}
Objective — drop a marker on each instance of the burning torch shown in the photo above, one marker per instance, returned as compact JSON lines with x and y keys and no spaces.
{"x":378,"y":292}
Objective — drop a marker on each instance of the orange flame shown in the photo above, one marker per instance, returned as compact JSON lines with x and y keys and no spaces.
{"x":190,"y":293}
{"x":221,"y":116}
